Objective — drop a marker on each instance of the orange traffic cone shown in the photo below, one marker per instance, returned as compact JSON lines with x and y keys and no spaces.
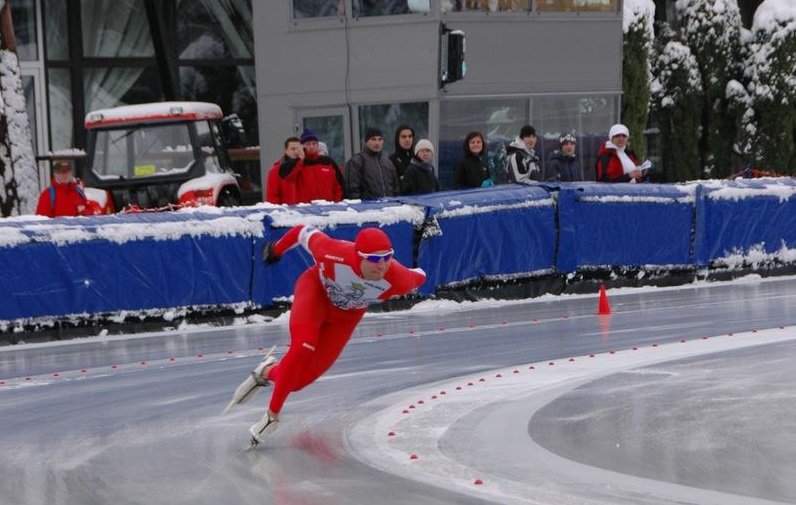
{"x":604,"y":307}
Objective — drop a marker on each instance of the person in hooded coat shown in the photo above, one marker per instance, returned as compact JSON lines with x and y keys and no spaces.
{"x":471,"y":172}
{"x":404,"y":149}
{"x":420,"y":177}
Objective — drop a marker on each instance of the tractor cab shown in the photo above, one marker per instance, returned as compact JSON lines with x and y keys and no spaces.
{"x":159,"y":156}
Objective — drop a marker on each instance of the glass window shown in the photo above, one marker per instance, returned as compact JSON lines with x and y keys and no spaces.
{"x":144,"y":151}
{"x":230,"y":87}
{"x":498,"y":120}
{"x":389,"y":117}
{"x":56,"y":36}
{"x":329,"y":130}
{"x":588,"y":118}
{"x":60,"y":98}
{"x":577,"y":5}
{"x":364,"y":8}
{"x":318,"y":8}
{"x":114,"y":28}
{"x":113,"y":86}
{"x":486,"y":5}
{"x":23,"y":14}
{"x":207,"y":147}
{"x":214,"y":29}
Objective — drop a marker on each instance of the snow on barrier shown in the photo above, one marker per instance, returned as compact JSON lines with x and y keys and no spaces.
{"x":111,"y":266}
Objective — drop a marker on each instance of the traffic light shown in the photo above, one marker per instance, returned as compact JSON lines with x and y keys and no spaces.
{"x":451,"y":56}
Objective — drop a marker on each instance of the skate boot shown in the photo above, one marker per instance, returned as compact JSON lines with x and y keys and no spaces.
{"x":261,"y":428}
{"x":253,"y":383}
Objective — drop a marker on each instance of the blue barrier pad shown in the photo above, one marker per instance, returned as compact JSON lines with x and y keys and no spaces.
{"x":604,"y":225}
{"x":102,"y":277}
{"x":502,"y":231}
{"x":106,"y":264}
{"x":745,"y":215}
{"x":341,"y":221}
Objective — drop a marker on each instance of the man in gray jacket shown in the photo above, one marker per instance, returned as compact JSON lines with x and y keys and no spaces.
{"x":370,"y":174}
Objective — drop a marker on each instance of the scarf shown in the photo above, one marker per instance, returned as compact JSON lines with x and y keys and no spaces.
{"x":627,"y":164}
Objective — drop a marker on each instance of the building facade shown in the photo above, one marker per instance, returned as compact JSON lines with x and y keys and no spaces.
{"x":337,"y":66}
{"x":341,"y":66}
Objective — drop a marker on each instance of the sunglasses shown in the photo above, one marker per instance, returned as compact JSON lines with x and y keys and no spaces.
{"x":375,"y":258}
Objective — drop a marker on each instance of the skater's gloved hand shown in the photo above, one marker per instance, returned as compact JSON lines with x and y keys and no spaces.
{"x":269,"y":255}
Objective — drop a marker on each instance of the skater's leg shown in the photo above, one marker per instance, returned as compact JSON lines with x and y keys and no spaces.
{"x":310,"y":309}
{"x":334,"y":336}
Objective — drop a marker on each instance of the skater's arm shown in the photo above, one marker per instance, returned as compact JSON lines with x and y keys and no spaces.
{"x":298,"y":235}
{"x":404,"y":280}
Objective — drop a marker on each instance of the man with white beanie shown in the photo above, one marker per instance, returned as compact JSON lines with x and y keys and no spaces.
{"x":616,"y":163}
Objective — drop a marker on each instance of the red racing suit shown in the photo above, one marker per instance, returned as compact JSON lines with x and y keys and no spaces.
{"x":329,"y":300}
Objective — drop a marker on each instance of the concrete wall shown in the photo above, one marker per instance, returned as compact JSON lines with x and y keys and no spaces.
{"x":389,"y":59}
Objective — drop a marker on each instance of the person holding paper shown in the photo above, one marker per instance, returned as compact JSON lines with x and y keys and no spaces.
{"x":617,"y":163}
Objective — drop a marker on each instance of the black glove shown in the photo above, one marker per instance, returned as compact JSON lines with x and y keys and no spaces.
{"x":269,"y":256}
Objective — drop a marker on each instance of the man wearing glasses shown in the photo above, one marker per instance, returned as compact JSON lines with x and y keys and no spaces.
{"x":330,"y":299}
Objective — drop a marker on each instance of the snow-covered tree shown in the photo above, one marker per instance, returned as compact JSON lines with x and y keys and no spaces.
{"x":18,"y":173}
{"x":711,"y":29}
{"x":676,"y":104}
{"x":770,"y":123}
{"x":638,"y":17}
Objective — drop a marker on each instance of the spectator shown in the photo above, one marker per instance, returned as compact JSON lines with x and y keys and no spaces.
{"x":420,"y":177}
{"x":522,"y":163}
{"x":404,"y":149}
{"x":563,"y":165}
{"x":276,"y":189}
{"x":312,"y":177}
{"x":616,"y":163}
{"x":64,"y":196}
{"x":370,"y":174}
{"x":471,"y":172}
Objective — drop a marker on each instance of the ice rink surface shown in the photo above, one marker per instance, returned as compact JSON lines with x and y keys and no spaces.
{"x":556,"y":405}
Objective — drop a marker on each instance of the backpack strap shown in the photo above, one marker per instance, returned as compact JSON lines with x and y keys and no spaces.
{"x":52,"y":200}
